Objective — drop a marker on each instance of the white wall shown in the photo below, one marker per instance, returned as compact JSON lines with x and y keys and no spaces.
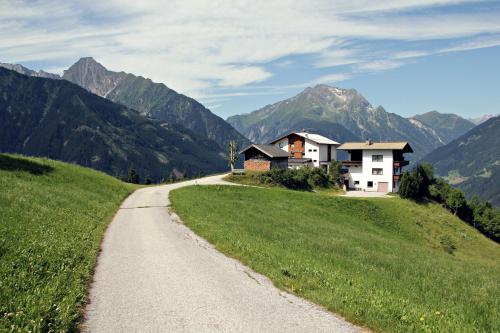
{"x":365,"y":175}
{"x":310,"y":152}
{"x":283,"y":143}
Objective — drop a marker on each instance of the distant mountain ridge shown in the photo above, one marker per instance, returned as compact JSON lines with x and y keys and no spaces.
{"x":154,"y":100}
{"x":443,"y":126}
{"x":60,"y":120}
{"x":483,"y":118}
{"x":26,"y":71}
{"x":472,"y":162}
{"x":342,"y":114}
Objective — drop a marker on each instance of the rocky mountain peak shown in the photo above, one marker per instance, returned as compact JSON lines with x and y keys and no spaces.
{"x":91,"y":75}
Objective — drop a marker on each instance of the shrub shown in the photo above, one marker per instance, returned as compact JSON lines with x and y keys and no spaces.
{"x":439,"y":190}
{"x":133,"y":176}
{"x":297,"y":179}
{"x":448,"y":244}
{"x":317,"y":177}
{"x":335,"y":172}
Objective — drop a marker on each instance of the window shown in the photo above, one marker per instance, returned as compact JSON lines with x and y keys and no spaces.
{"x":356,"y":182}
{"x":376,"y":171}
{"x":370,"y":184}
{"x":377,"y":158}
{"x":315,"y":161}
{"x":315,"y":150}
{"x":310,"y":150}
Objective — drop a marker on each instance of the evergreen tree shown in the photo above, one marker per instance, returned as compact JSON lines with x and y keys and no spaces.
{"x":133,"y":176}
{"x":335,"y":171}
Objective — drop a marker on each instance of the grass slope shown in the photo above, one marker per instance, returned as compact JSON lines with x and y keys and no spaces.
{"x":383,"y":263}
{"x":52,"y":219}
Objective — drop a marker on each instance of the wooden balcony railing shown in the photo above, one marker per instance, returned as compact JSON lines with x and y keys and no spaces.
{"x":351,"y":163}
{"x":399,"y":164}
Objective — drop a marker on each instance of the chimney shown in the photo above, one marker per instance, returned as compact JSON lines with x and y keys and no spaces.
{"x":369,"y":142}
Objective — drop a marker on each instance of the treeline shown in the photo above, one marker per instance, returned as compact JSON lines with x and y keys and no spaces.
{"x":305,"y":178}
{"x":134,"y":177}
{"x":420,"y":184}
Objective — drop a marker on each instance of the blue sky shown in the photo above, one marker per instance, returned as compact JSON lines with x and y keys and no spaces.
{"x":410,"y":56}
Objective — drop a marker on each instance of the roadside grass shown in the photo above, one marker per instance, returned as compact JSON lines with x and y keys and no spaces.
{"x":52,"y":218}
{"x":391,"y":265}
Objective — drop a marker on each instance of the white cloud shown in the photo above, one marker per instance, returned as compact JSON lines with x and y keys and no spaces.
{"x":331,"y":78}
{"x":379,"y":65}
{"x":196,"y":46}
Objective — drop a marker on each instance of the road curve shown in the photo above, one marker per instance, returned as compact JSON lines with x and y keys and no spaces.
{"x":156,"y":275}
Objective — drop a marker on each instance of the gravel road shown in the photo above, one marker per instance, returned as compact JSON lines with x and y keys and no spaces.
{"x":155,"y":275}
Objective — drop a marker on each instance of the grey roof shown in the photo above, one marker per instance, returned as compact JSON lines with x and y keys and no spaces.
{"x":294,"y":160}
{"x":270,"y":150}
{"x":400,"y":145}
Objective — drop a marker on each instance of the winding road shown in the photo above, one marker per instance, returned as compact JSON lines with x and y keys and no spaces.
{"x":155,"y":275}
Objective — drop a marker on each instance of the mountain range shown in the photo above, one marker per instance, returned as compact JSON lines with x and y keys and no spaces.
{"x":61,"y":120}
{"x":472,"y":161}
{"x":154,"y":100}
{"x":26,"y":71}
{"x":113,"y":120}
{"x":345,"y":115}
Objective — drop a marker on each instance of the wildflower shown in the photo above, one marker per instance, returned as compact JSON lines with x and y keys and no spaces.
{"x":422,"y":318}
{"x":438,"y":313}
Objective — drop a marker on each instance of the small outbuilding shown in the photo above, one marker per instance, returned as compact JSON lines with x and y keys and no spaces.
{"x":264,"y":157}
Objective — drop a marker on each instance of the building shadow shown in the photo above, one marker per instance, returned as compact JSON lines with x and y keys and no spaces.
{"x":12,"y":163}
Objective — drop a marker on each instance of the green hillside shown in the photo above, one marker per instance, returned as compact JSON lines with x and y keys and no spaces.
{"x":52,"y":219}
{"x":389,"y":264}
{"x":60,"y":120}
{"x":472,"y":162}
{"x":154,"y":100}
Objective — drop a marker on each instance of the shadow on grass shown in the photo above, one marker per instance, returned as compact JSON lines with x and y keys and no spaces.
{"x":10,"y":163}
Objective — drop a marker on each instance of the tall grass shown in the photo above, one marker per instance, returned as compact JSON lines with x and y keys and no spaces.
{"x":390,"y":264}
{"x":52,"y":218}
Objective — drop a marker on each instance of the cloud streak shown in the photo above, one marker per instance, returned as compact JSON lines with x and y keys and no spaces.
{"x":200,"y":46}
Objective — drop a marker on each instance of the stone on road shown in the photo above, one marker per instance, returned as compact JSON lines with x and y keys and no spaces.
{"x":156,"y":275}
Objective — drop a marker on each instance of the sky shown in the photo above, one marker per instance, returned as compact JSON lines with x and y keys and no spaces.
{"x":410,"y":56}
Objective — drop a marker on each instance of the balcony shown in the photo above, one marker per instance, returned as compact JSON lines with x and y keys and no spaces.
{"x":400,"y":164}
{"x":396,"y":178}
{"x":351,"y":163}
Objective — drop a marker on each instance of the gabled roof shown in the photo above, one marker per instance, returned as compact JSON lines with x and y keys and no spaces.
{"x":400,"y":145}
{"x":310,"y":136}
{"x":269,"y":150}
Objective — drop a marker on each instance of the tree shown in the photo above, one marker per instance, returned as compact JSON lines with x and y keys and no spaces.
{"x":233,"y":154}
{"x":133,"y":176}
{"x":410,"y":185}
{"x":455,"y":200}
{"x":426,"y":172}
{"x":439,"y":190}
{"x":335,"y":171}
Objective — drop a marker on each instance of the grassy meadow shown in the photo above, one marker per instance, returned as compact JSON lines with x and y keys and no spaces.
{"x":52,"y":219}
{"x":389,"y":264}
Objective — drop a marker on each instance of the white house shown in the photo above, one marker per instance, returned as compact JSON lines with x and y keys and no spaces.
{"x":374,"y":166}
{"x":307,"y":149}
